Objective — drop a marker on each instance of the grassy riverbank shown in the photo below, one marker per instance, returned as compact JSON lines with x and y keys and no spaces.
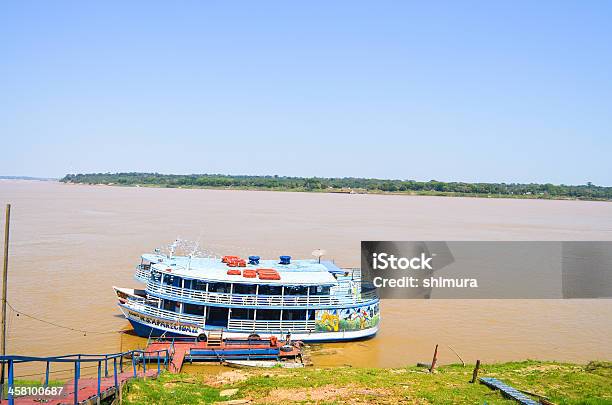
{"x":562,"y":383}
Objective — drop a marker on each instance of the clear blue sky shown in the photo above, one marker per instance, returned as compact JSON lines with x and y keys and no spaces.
{"x":458,"y":91}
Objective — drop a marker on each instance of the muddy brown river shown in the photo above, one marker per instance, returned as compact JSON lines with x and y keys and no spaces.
{"x":71,"y":243}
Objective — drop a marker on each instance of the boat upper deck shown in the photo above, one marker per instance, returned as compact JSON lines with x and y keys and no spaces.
{"x":298,"y":272}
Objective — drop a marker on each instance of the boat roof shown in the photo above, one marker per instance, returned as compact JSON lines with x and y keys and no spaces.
{"x":298,"y":272}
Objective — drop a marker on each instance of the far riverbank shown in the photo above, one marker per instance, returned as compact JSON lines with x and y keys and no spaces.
{"x":356,"y":191}
{"x":348,"y":185}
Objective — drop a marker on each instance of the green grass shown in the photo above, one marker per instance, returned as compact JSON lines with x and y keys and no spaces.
{"x":169,"y":389}
{"x":563,"y":383}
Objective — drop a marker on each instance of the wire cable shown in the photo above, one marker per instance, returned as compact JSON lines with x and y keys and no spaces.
{"x":85,"y":332}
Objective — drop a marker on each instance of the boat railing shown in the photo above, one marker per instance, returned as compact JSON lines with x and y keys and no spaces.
{"x":207,"y":297}
{"x":142,"y":274}
{"x":162,"y":357}
{"x":165,"y":314}
{"x":247,"y":325}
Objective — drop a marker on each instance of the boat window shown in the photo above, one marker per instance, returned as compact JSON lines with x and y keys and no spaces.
{"x":319,"y":290}
{"x":244,"y":289}
{"x":198,"y":285}
{"x":170,"y":305}
{"x":219,"y":287}
{"x":265,"y":289}
{"x":155,"y":276}
{"x":310,"y":315}
{"x":268,"y":314}
{"x":243,"y":313}
{"x":294,"y":314}
{"x":168,"y":279}
{"x":193,"y":309}
{"x":295,"y":290}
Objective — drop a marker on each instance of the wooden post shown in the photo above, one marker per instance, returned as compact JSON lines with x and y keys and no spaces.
{"x":475,"y":373}
{"x":433,"y":361}
{"x":4,"y":291}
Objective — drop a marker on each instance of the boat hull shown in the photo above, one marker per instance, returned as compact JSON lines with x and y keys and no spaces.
{"x":146,"y":330}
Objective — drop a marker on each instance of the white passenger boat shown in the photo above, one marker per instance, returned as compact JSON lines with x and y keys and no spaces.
{"x":312,"y":300}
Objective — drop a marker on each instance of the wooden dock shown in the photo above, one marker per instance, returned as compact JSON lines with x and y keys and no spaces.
{"x":158,"y":356}
{"x":219,"y":350}
{"x":87,"y":390}
{"x":177,"y":350}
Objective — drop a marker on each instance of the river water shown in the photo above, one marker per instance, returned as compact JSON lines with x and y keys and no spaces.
{"x":71,"y":243}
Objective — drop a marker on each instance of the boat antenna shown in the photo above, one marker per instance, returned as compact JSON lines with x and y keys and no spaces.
{"x":4,"y":290}
{"x":194,"y":251}
{"x":173,"y":248}
{"x":318,"y":253}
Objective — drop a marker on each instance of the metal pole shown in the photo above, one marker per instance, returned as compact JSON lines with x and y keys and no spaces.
{"x":4,"y":289}
{"x":115,"y":373}
{"x":11,"y":383}
{"x":76,"y":382}
{"x":134,"y":363}
{"x":99,"y":376}
{"x":47,"y":374}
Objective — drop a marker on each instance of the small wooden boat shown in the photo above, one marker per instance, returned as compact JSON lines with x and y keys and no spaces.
{"x":507,"y":391}
{"x":262,"y":364}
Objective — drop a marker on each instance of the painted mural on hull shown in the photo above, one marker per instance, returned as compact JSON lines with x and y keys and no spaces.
{"x":347,"y":319}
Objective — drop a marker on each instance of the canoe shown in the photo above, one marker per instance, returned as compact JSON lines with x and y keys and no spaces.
{"x":262,"y":364}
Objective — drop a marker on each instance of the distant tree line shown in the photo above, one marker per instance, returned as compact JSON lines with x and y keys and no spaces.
{"x":346,"y":184}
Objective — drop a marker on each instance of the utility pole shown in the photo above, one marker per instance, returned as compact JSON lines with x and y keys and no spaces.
{"x":4,"y":280}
